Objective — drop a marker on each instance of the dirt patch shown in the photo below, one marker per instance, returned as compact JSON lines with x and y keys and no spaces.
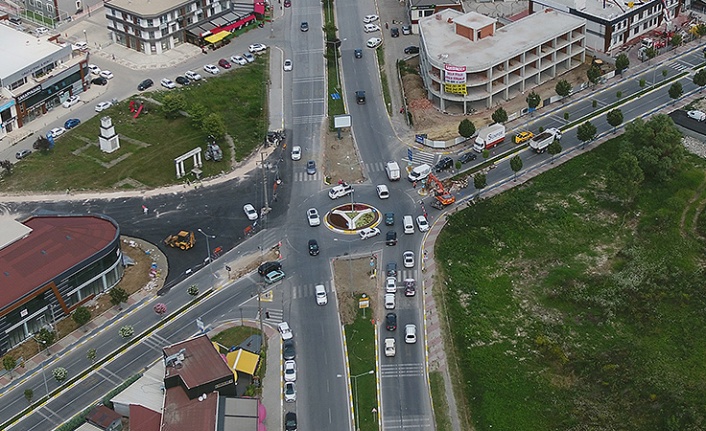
{"x":341,"y":160}
{"x":428,"y":119}
{"x":352,"y":278}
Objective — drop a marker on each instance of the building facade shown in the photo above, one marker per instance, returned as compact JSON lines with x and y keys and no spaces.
{"x":467,"y":62}
{"x":609,"y":25}
{"x":37,"y":74}
{"x":418,"y":9}
{"x":50,"y":266}
{"x":59,"y":10}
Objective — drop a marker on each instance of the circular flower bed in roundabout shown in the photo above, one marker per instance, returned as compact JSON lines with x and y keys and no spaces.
{"x":351,"y":218}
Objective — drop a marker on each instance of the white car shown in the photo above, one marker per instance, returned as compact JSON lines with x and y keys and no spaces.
{"x":284,"y":330}
{"x":167,"y":83}
{"x":71,"y":101}
{"x":290,"y":371}
{"x":210,"y":68}
{"x":389,"y":347}
{"x":79,"y":46}
{"x":103,"y":106}
{"x":107,"y":74}
{"x":369,"y":232}
{"x":250,"y":212}
{"x":249,"y":57}
{"x":370,"y":18}
{"x":321,"y":297}
{"x":94,"y":69}
{"x":390,"y":301}
{"x":373,"y":42}
{"x":239,"y":60}
{"x":257,"y":47}
{"x":340,"y":191}
{"x":697,"y":115}
{"x":383,"y":192}
{"x":41,"y":30}
{"x":369,"y":28}
{"x":390,"y":285}
{"x":408,"y":258}
{"x":313,"y":216}
{"x":410,"y":334}
{"x":287,"y":65}
{"x":296,"y":153}
{"x":422,"y":223}
{"x":56,"y":132}
{"x":192,"y":75}
{"x":290,"y":392}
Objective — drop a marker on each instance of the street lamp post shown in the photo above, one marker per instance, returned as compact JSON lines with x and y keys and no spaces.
{"x":355,"y":385}
{"x":85,"y":36}
{"x":44,"y":375}
{"x":208,"y":251}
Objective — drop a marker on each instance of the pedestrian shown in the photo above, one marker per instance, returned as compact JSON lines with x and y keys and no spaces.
{"x":113,"y":57}
{"x":267,"y":314}
{"x":145,"y":209}
{"x":386,"y":26}
{"x":414,"y":185}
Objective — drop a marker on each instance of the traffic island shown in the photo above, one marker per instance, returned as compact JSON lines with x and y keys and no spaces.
{"x":353,"y":217}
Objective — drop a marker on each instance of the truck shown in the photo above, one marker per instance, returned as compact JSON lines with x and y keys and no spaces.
{"x":419,"y":173}
{"x":489,"y":137}
{"x":393,"y":170}
{"x":540,"y":142}
{"x":183,"y":240}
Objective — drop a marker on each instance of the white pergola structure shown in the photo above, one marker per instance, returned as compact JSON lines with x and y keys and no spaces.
{"x":179,"y":162}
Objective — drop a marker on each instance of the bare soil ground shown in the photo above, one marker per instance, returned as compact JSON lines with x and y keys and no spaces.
{"x":352,"y":279}
{"x":341,"y":161}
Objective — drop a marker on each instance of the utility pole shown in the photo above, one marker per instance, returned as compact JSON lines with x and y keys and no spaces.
{"x":267,"y":208}
{"x":259,"y":308}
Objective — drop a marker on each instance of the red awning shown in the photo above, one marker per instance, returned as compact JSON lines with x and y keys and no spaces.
{"x":260,"y":8}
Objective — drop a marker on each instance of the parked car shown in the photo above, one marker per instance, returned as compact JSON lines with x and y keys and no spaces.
{"x":296,"y":152}
{"x":312,"y":215}
{"x":79,"y":46}
{"x":250,"y":212}
{"x":22,"y":154}
{"x":422,"y":223}
{"x":290,"y":392}
{"x":391,"y":321}
{"x":313,"y":247}
{"x":321,"y":297}
{"x":373,"y":42}
{"x":99,"y":81}
{"x":192,"y":75}
{"x":391,"y":238}
{"x":370,"y":18}
{"x":56,"y":132}
{"x":410,"y":334}
{"x":370,"y":28}
{"x":290,"y":371}
{"x":274,"y":276}
{"x":411,"y":50}
{"x":257,"y":47}
{"x":71,"y":123}
{"x":182,"y":80}
{"x":268,"y":267}
{"x":406,"y":30}
{"x":443,"y":164}
{"x":288,"y":350}
{"x":466,"y":157}
{"x":287,"y":66}
{"x":249,"y":57}
{"x":107,"y":74}
{"x":311,"y":167}
{"x":369,"y":232}
{"x":224,"y":63}
{"x":167,"y":83}
{"x":94,"y":69}
{"x":102,"y":106}
{"x":304,"y":26}
{"x":144,"y":85}
{"x":238,"y":60}
{"x":389,"y":347}
{"x":71,"y":101}
{"x":358,"y":53}
{"x":40,"y":31}
{"x":211,"y":69}
{"x":287,"y":3}
{"x":395,"y":32}
{"x":697,"y":115}
{"x":290,"y":421}
{"x":285,"y":331}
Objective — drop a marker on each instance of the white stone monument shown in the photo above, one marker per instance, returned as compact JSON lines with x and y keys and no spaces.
{"x":109,"y":140}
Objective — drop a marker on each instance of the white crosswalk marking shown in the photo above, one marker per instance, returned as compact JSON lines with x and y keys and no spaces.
{"x":307,"y":290}
{"x":375,"y":166}
{"x":308,"y":119}
{"x":273,"y":315}
{"x":401,"y":370}
{"x":678,"y":66}
{"x":407,"y":422}
{"x":303,"y":176}
{"x":422,"y":157}
{"x":405,"y":274}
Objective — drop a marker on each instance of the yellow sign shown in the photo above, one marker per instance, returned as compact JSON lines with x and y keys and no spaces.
{"x":456,"y":88}
{"x":267,"y":296}
{"x":364,"y":301}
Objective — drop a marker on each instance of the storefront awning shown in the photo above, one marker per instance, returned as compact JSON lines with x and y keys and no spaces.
{"x":217,"y":37}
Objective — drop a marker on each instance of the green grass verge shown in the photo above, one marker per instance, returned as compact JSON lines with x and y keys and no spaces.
{"x":234,"y":336}
{"x":360,"y":341}
{"x":438,"y":397}
{"x":335,"y":106}
{"x":380,"y":52}
{"x":573,"y":312}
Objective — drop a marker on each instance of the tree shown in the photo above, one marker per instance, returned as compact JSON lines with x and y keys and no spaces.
{"x":676,"y":40}
{"x":466,"y":128}
{"x":118,"y":296}
{"x":81,"y":315}
{"x":29,"y":394}
{"x":650,"y":53}
{"x":622,"y":62}
{"x":197,"y":112}
{"x":563,"y":88}
{"x":126,"y":331}
{"x":160,"y":309}
{"x":9,"y":363}
{"x":173,"y":104}
{"x":664,"y":73}
{"x":676,"y":90}
{"x":499,"y":116}
{"x":480,"y":181}
{"x":193,"y":290}
{"x":42,"y":144}
{"x":700,"y":30}
{"x":615,"y":118}
{"x":46,"y":337}
{"x":533,"y":100}
{"x":594,"y":74}
{"x":657,"y":146}
{"x":6,"y":167}
{"x":91,"y":355}
{"x":59,"y":374}
{"x":516,"y":165}
{"x":214,"y":125}
{"x":624,"y":176}
{"x":586,"y":132}
{"x":700,"y":78}
{"x":554,"y":148}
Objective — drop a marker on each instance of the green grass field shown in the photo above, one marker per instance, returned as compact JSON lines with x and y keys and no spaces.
{"x":571,"y":312}
{"x":360,"y":340}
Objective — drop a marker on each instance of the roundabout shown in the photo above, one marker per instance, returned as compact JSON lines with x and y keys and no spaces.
{"x":351,"y":218}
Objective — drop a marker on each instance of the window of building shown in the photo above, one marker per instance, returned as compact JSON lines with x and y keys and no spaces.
{"x":78,"y":4}
{"x":163,"y":19}
{"x":38,"y":4}
{"x":31,"y":2}
{"x":150,"y":22}
{"x":151,"y":35}
{"x":50,"y":8}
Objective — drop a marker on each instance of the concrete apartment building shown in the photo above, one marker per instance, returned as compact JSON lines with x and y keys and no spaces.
{"x":612,"y":23}
{"x":58,"y":10}
{"x":418,"y":9}
{"x":468,"y":62}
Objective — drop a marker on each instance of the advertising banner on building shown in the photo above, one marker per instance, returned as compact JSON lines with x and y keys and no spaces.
{"x":455,"y":79}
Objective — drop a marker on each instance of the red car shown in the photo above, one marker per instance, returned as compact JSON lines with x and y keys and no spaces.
{"x":224,"y":63}
{"x":287,"y":3}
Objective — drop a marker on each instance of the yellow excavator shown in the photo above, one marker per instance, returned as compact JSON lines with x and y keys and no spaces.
{"x":183,"y":240}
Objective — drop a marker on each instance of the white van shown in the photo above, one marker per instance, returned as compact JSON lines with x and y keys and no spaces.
{"x":419,"y":173}
{"x":408,"y":224}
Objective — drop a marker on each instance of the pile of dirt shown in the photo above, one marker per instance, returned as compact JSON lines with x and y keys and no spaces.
{"x":341,"y":159}
{"x":352,"y":278}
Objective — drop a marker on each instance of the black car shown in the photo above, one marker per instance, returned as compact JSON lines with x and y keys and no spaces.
{"x":304,"y":26}
{"x":391,"y":238}
{"x":288,"y":350}
{"x":411,"y":50}
{"x":360,"y":97}
{"x":99,"y":81}
{"x":391,"y":269}
{"x":313,"y":247}
{"x":358,"y":53}
{"x":443,"y":164}
{"x":144,"y":85}
{"x":389,"y":219}
{"x":395,"y":32}
{"x":290,"y":421}
{"x":467,"y":157}
{"x":268,"y":267}
{"x":391,"y":321}
{"x":181,"y":80}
